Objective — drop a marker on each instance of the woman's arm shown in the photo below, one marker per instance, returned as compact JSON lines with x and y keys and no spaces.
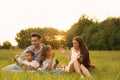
{"x":62,"y":50}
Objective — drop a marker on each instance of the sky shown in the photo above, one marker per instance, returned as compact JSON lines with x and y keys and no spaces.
{"x":16,"y":15}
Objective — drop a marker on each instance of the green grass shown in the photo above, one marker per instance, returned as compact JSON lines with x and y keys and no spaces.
{"x":107,"y":67}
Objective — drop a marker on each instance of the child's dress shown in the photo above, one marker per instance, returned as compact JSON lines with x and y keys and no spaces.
{"x":53,"y":71}
{"x":45,"y":65}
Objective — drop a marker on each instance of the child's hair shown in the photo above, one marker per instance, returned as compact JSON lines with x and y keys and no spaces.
{"x":44,"y":51}
{"x":31,"y":52}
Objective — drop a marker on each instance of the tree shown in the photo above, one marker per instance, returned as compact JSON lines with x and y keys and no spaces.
{"x":77,"y":29}
{"x":91,"y":36}
{"x":0,"y":46}
{"x":7,"y":45}
{"x":97,"y":35}
{"x":48,"y":36}
{"x":112,"y":33}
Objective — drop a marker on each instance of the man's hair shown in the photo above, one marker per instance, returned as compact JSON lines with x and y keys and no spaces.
{"x":31,"y":52}
{"x":36,"y":35}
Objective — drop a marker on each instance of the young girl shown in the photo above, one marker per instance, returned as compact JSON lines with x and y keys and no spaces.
{"x":47,"y":61}
{"x":47,"y":58}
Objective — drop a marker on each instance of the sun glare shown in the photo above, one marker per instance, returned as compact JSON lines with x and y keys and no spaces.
{"x":59,"y":37}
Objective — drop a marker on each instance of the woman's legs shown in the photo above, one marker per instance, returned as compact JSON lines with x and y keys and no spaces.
{"x":77,"y":67}
{"x":81,"y":69}
{"x":85,"y":70}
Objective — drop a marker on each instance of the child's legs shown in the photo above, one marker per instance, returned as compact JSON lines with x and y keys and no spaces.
{"x":56,"y":71}
{"x":11,"y":67}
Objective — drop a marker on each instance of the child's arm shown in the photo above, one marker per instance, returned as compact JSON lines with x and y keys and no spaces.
{"x":16,"y":61}
{"x":35,"y":68}
{"x":51,"y":61}
{"x":23,"y":66}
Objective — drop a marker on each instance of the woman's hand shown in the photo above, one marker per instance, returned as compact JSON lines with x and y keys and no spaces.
{"x":62,"y":50}
{"x":80,"y":58}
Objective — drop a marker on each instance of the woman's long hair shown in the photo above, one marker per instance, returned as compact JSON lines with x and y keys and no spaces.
{"x":84,"y":52}
{"x":43,"y":55}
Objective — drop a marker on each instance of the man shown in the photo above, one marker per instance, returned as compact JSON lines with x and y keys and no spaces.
{"x":36,"y":47}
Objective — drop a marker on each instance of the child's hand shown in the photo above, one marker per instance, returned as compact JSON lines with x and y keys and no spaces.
{"x":56,"y":61}
{"x":52,"y":55}
{"x":15,"y":60}
{"x":31,"y":68}
{"x":24,"y":67}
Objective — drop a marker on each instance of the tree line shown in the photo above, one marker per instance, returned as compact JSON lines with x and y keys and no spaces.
{"x":104,"y":35}
{"x":6,"y":45}
{"x":49,"y":36}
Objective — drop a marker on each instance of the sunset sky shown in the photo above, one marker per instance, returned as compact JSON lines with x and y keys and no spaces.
{"x":60,"y":14}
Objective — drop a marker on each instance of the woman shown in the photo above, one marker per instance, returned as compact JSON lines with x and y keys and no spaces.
{"x":79,"y":60}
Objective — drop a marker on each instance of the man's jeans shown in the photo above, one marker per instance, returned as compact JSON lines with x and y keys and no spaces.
{"x":11,"y":67}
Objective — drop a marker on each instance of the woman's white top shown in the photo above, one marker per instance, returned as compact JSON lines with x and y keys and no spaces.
{"x":74,"y":56}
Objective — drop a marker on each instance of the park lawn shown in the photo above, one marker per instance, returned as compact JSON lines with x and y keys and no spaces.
{"x":107,"y":65}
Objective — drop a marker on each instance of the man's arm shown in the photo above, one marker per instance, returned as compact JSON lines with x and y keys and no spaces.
{"x":21,"y":57}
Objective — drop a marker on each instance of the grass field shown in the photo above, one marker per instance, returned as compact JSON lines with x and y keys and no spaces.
{"x":107,"y":67}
